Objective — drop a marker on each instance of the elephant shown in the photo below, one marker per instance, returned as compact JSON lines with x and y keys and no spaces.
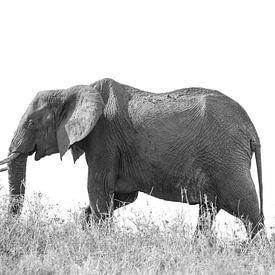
{"x":192,"y":145}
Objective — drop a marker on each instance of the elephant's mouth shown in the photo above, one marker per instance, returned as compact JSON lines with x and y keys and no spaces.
{"x":39,"y":152}
{"x":34,"y":150}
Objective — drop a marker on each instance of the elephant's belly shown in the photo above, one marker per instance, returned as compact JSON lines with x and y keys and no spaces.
{"x":183,"y":185}
{"x":188,"y":188}
{"x":177,"y":194}
{"x":125,"y":185}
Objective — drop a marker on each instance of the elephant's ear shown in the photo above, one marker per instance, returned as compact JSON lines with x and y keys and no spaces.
{"x":80,"y":113}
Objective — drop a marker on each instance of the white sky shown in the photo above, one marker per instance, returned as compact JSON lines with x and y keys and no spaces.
{"x":157,"y":46}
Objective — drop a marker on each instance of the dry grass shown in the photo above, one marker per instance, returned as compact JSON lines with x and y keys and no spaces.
{"x":43,"y":243}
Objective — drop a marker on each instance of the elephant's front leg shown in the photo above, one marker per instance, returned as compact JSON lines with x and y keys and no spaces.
{"x":101,"y":193}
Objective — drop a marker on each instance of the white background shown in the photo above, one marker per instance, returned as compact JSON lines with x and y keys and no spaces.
{"x":157,"y":46}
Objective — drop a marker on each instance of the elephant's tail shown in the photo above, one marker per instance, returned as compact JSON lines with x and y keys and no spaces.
{"x":256,"y":147}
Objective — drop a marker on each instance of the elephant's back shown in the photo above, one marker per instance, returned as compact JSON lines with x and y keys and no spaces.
{"x":191,"y":92}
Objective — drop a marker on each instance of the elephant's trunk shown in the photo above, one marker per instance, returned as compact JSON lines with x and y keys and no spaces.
{"x":17,"y":177}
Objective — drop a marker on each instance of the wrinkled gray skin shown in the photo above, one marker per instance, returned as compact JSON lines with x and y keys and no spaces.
{"x":184,"y":146}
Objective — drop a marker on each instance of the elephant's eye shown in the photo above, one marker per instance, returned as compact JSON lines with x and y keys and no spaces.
{"x":31,"y":123}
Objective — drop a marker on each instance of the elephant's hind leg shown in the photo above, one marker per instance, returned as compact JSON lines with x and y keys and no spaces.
{"x":240,"y":199}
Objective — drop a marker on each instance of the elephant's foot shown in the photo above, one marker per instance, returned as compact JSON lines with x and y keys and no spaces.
{"x":87,"y":214}
{"x":86,"y":219}
{"x":90,"y":218}
{"x":255,"y":228}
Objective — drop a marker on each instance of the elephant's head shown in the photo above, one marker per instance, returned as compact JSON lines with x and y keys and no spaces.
{"x":54,"y":122}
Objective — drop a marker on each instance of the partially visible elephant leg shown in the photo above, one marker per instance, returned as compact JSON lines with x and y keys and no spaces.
{"x":207,"y":214}
{"x":87,"y":216}
{"x":101,"y":199}
{"x":119,"y":200}
{"x":242,"y":202}
{"x":122,"y":199}
{"x":101,"y":207}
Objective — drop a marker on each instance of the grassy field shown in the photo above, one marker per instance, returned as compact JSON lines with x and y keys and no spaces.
{"x":41,"y":242}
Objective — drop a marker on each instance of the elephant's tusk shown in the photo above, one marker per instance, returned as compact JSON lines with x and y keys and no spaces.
{"x":3,"y":169}
{"x":9,"y":158}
